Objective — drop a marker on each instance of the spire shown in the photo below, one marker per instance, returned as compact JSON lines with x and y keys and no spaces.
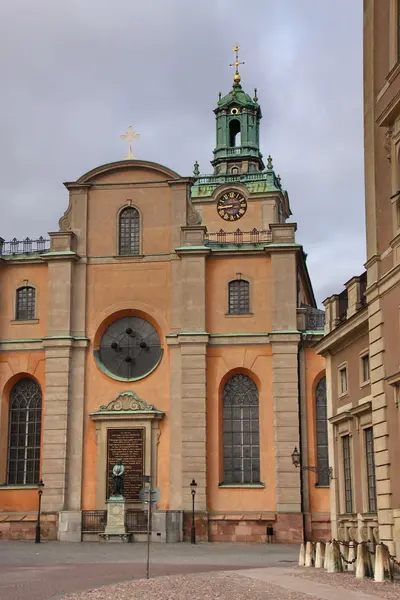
{"x":236,"y":77}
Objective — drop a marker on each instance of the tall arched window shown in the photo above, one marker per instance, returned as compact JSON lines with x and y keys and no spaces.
{"x":241,"y":431}
{"x":24,"y":430}
{"x":239,"y":298}
{"x":322,"y":433}
{"x":129,"y":231}
{"x":25,"y":303}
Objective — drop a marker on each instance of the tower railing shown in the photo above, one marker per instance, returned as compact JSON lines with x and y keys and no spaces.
{"x":237,"y":238}
{"x":26,"y":246}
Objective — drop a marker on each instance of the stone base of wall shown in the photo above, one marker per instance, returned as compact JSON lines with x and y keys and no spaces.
{"x":318,"y":527}
{"x":288,"y":528}
{"x":201,"y":523}
{"x":22,"y":526}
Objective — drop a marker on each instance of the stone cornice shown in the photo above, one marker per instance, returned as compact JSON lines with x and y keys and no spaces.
{"x":126,"y":405}
{"x":341,"y":334}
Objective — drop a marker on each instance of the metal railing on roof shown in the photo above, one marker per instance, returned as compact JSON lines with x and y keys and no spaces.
{"x":26,"y":246}
{"x":237,"y":238}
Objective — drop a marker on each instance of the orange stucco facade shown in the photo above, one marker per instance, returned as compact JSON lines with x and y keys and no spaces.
{"x":178,"y":284}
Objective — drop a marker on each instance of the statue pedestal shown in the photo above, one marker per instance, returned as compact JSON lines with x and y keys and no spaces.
{"x":115,"y":530}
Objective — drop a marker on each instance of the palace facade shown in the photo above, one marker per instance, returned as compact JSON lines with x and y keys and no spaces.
{"x":170,"y":322}
{"x":362,"y":335}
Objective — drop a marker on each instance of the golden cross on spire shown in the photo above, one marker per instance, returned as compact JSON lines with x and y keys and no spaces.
{"x":129,"y":137}
{"x":236,"y":77}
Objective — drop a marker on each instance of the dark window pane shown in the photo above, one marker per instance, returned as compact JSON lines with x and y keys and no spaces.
{"x":25,"y":303}
{"x":239,"y":393}
{"x":239,"y":297}
{"x":370,"y":460}
{"x":23,"y":465}
{"x":129,"y":232}
{"x":348,"y":488}
{"x":322,"y":433}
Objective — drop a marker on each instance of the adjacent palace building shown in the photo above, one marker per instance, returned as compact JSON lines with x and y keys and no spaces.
{"x":170,"y":323}
{"x":362,"y":341}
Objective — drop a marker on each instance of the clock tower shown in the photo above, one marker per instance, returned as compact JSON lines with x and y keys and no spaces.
{"x":239,"y":173}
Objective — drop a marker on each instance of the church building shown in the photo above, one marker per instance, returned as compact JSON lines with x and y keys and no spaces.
{"x":170,"y":323}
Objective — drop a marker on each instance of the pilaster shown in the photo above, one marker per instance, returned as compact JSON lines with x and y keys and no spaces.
{"x":383,"y":470}
{"x":286,"y":420}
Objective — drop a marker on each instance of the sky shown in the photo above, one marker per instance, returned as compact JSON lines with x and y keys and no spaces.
{"x":76,"y":73}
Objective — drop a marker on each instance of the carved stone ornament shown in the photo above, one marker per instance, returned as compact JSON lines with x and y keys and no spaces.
{"x":128,"y":401}
{"x":375,"y":533}
{"x":353,"y":534}
{"x":193,"y":217}
{"x":65,"y":222}
{"x":388,"y":143}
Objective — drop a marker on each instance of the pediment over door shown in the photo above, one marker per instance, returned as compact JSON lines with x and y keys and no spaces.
{"x":127,"y":405}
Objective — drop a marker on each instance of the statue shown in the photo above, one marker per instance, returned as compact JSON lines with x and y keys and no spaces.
{"x":118,"y":479}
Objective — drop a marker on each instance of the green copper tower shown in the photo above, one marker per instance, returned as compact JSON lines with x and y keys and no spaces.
{"x":238,"y":130}
{"x":237,"y":155}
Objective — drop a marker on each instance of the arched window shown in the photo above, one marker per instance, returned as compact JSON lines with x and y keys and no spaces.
{"x":24,"y":430}
{"x":241,"y":431}
{"x":239,"y":299}
{"x":322,"y":433}
{"x":235,"y":171}
{"x":25,"y":303}
{"x":129,"y":231}
{"x":234,"y":134}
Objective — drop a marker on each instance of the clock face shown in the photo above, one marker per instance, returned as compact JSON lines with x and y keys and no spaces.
{"x":231,"y":206}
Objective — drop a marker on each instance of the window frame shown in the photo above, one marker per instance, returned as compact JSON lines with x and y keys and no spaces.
{"x":363,"y":355}
{"x":370,"y":472}
{"x":347,"y":470}
{"x":25,"y":319}
{"x":249,"y":477}
{"x":125,"y":208}
{"x":31,"y":426}
{"x":343,"y":368}
{"x":322,"y":476}
{"x":239,"y":279}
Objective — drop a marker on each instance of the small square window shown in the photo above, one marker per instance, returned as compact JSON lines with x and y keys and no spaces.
{"x":343,"y":380}
{"x":365,"y":368}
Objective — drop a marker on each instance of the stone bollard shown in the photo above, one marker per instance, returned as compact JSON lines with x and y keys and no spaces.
{"x":382,"y":564}
{"x":335,"y":562}
{"x":360,"y":563}
{"x":319,"y":555}
{"x":309,"y":555}
{"x":328,"y":550}
{"x":363,"y":564}
{"x":301,"y":556}
{"x":351,"y":556}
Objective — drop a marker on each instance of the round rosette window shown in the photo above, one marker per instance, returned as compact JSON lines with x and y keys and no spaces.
{"x":130,"y":349}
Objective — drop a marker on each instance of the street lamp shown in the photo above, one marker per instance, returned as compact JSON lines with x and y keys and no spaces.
{"x":296,"y":461}
{"x":193,"y":487}
{"x":40,"y":492}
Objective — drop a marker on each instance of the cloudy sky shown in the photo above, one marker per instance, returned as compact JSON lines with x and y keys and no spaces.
{"x":76,"y":73}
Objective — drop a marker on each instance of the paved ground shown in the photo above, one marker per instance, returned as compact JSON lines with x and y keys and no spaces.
{"x":268,"y":583}
{"x":31,"y":571}
{"x":178,"y":571}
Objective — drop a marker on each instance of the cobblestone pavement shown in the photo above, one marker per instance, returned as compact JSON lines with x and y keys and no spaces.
{"x":39,"y":572}
{"x":256,"y":584}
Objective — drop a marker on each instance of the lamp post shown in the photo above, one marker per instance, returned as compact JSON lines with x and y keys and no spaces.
{"x":193,"y":487}
{"x":40,"y":492}
{"x":296,"y":460}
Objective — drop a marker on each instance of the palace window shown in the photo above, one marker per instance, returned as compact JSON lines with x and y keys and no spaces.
{"x":129,"y":232}
{"x":348,"y":487}
{"x":24,"y":430}
{"x":370,"y":463}
{"x":343,"y":380}
{"x":25,"y":303}
{"x":239,"y":298}
{"x":322,"y":434}
{"x":241,"y":431}
{"x":365,"y":368}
